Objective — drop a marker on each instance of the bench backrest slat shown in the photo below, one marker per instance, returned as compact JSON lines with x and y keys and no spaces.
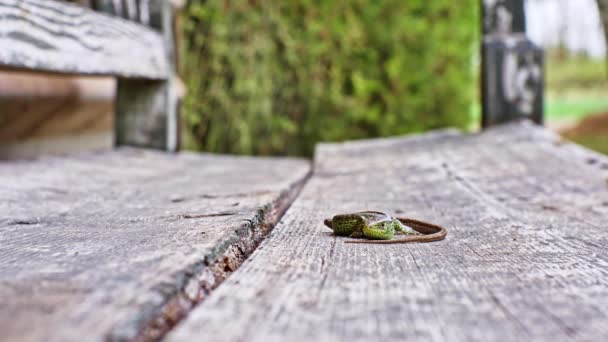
{"x":59,"y":37}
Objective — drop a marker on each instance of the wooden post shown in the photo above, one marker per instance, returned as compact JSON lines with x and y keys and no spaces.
{"x":512,"y":66}
{"x":146,"y":110}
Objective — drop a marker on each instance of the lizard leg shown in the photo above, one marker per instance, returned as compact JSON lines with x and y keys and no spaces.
{"x":356,"y":235}
{"x":403,"y":229}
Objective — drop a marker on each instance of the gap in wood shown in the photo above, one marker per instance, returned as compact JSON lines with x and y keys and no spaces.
{"x":210,"y":274}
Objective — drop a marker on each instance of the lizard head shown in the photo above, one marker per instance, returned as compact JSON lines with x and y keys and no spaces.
{"x":380,"y":230}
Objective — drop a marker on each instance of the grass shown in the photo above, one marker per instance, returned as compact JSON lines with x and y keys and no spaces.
{"x":576,"y":72}
{"x":598,"y":143}
{"x":561,"y":107}
{"x":577,"y":88}
{"x":558,"y":108}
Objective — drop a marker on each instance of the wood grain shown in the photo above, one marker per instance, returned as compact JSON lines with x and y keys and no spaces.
{"x":48,"y":113}
{"x":59,"y":37}
{"x":39,"y":105}
{"x":120,"y":245}
{"x":526,"y":257}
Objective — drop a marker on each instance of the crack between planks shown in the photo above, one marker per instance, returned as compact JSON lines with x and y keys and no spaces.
{"x":206,"y":275}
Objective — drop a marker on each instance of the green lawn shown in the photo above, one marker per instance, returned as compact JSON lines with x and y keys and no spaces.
{"x":560,"y":108}
{"x":576,"y":87}
{"x":557,"y":108}
{"x":598,"y":143}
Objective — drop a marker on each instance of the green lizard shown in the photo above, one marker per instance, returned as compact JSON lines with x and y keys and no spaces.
{"x":381,"y":227}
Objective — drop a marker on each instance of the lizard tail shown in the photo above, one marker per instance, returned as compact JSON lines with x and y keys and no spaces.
{"x":432,"y":232}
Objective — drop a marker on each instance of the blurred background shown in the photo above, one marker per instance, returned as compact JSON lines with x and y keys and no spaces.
{"x":275,"y":77}
{"x":270,"y":77}
{"x":576,"y":98}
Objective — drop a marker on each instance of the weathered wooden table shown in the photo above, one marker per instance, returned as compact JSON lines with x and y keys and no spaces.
{"x":120,"y":245}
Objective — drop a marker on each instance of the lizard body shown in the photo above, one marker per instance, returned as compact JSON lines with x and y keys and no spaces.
{"x":381,"y":228}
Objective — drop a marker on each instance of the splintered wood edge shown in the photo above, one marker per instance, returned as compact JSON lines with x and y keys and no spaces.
{"x":204,"y":276}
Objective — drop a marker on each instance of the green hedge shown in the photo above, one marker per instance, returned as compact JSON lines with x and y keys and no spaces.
{"x":275,"y":77}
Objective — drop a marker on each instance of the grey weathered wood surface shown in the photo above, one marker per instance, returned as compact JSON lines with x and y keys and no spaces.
{"x":56,"y":36}
{"x":120,"y":245}
{"x":526,"y":256}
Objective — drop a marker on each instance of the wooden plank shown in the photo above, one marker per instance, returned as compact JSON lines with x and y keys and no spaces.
{"x":39,"y":105}
{"x":22,"y":84}
{"x":526,"y":256}
{"x":77,"y":143}
{"x":48,"y":113}
{"x":58,"y":37}
{"x":25,"y":119}
{"x":147,"y":111}
{"x":120,"y":245}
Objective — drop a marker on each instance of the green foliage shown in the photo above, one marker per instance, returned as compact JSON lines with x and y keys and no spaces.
{"x":275,"y":77}
{"x":576,"y":85}
{"x":575,"y":73}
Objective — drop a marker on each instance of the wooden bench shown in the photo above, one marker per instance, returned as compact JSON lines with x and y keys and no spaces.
{"x":122,"y":245}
